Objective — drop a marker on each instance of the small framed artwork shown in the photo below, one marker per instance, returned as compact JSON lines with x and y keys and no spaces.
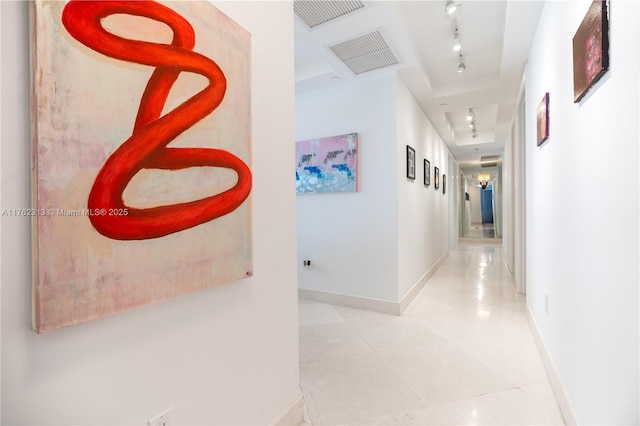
{"x":436,"y":178}
{"x":444,"y":184}
{"x":327,"y":164}
{"x":543,"y":119}
{"x":411,"y":163}
{"x":427,"y":172}
{"x":591,"y":49}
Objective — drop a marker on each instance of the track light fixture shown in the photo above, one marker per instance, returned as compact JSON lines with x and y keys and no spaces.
{"x":470,"y":115}
{"x":450,"y":7}
{"x":461,"y":66}
{"x":457,"y":44}
{"x":471,"y":118}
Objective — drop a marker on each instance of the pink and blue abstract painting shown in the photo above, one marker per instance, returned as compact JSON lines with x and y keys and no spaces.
{"x":327,"y":164}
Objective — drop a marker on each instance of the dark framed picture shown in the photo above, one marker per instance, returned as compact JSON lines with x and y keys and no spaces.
{"x":436,"y":177}
{"x":444,"y":184}
{"x":591,"y":49}
{"x":543,"y":119}
{"x":427,"y":172}
{"x":466,"y":196}
{"x":411,"y":163}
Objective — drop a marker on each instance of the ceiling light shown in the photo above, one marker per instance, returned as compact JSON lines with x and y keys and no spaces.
{"x":484,"y":180}
{"x":450,"y":7}
{"x":470,"y":115}
{"x":461,"y":66}
{"x":457,"y":44}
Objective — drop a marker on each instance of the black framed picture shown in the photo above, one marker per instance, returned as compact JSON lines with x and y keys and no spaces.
{"x":444,"y":184}
{"x":436,"y":178}
{"x":411,"y":163}
{"x":427,"y":172}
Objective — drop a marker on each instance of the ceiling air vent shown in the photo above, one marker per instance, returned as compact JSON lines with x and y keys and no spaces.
{"x":365,"y":53}
{"x":316,"y":12}
{"x":489,"y":161}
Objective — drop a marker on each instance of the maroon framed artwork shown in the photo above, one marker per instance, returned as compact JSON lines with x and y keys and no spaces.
{"x":543,"y":119}
{"x":591,"y":49}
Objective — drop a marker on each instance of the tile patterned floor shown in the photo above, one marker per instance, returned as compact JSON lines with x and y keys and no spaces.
{"x":462,"y":353}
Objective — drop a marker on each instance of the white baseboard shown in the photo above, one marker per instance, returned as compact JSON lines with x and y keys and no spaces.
{"x":413,"y":292}
{"x":376,"y":305}
{"x":479,"y":240}
{"x":370,"y":304}
{"x":294,"y":416}
{"x":509,"y":266}
{"x":554,"y":379}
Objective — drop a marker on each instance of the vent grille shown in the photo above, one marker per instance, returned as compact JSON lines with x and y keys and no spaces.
{"x":316,"y":12}
{"x":365,"y":53}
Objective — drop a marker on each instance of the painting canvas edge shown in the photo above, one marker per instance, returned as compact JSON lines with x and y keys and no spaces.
{"x":33,"y":140}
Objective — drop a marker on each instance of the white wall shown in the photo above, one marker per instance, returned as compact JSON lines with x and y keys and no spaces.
{"x":453,"y":191}
{"x":514,"y":196}
{"x":475,"y":204}
{"x":582,"y":215}
{"x":227,"y":355}
{"x":519,"y":189}
{"x":466,"y":208}
{"x":423,"y":212}
{"x":508,"y":243}
{"x":497,"y":202}
{"x":379,"y":242}
{"x":351,"y":238}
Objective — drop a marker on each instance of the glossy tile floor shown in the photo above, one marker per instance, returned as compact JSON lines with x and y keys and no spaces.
{"x":480,"y":230}
{"x":462,"y":353}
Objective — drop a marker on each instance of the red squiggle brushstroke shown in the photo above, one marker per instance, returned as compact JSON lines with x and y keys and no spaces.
{"x":147,"y":146}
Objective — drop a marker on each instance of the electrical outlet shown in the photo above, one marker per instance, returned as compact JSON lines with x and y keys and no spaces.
{"x":163,"y":419}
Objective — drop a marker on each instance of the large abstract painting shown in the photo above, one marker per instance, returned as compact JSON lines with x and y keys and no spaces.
{"x":141,"y":155}
{"x":327,"y":164}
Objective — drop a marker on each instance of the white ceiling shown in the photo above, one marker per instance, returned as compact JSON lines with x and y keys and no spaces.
{"x":496,"y":38}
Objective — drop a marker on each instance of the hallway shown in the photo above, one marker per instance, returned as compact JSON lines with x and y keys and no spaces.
{"x":462,"y":353}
